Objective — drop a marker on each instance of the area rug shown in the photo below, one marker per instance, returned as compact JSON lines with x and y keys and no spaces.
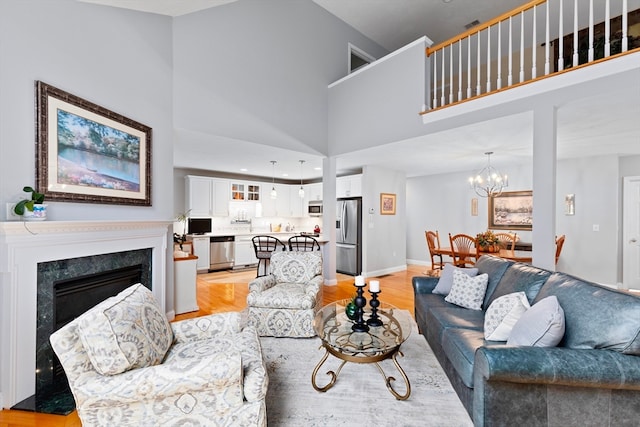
{"x":359,"y":396}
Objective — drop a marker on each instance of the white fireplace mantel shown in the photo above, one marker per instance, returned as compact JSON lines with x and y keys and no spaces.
{"x":25,"y":244}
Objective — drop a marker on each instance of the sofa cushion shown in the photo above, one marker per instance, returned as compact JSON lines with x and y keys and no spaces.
{"x":460,"y":346}
{"x":126,"y":331}
{"x":467,"y":291}
{"x":541,"y":326}
{"x":595,"y":316}
{"x":502,"y":315}
{"x":520,"y":277}
{"x":296,"y":267}
{"x":446,"y":278}
{"x":495,"y":268}
{"x":452,"y":316}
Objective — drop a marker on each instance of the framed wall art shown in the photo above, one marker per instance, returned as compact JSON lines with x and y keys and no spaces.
{"x":511,"y":210}
{"x":387,"y":204}
{"x":87,"y":153}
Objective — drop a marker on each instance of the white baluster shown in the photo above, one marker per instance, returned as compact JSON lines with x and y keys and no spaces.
{"x":499,"y":79}
{"x":561,"y":39}
{"x":435,"y":79}
{"x":522,"y":46}
{"x":444,"y":79}
{"x":534,"y":47}
{"x":469,"y":66}
{"x":547,"y":42}
{"x":451,"y":74}
{"x":575,"y":33}
{"x":590,"y":31}
{"x":478,"y":87}
{"x":510,"y":65}
{"x":607,"y":31}
{"x":460,"y":70}
{"x":488,"y":59}
{"x":625,"y":24}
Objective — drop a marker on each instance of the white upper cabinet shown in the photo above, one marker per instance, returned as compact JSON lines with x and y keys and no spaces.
{"x":221,"y":196}
{"x":313,"y":192}
{"x":245,"y":191}
{"x":207,"y":196}
{"x":297,"y":204}
{"x":349,"y":186}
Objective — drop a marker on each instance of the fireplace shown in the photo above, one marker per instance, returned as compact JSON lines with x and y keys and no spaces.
{"x":48,"y":263}
{"x":66,"y":289}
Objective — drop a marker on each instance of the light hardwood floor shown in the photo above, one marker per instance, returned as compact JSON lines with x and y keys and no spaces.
{"x":227,"y":291}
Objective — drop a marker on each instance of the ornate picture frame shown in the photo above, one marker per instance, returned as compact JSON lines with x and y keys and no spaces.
{"x":87,"y":153}
{"x":387,"y":204}
{"x":512,"y":210}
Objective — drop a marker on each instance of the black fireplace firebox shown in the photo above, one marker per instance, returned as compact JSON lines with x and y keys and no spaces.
{"x":66,"y":289}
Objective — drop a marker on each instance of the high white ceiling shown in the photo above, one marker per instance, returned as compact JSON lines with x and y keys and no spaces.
{"x":582,"y":125}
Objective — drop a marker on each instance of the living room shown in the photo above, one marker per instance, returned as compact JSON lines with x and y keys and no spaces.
{"x":139,"y":64}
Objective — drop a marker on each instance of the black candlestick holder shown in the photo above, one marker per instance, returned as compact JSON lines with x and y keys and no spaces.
{"x":359,"y":324}
{"x":374,"y":320}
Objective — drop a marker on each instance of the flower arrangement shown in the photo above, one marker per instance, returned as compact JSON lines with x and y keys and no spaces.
{"x":487,"y":239}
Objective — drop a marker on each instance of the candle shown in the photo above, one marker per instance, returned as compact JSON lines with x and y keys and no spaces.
{"x":359,"y":280}
{"x":374,"y":286}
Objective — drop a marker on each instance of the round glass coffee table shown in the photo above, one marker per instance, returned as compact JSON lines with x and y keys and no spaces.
{"x":381,"y":342}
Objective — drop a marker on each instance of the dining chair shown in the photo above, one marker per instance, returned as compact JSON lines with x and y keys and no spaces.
{"x":506,"y":240}
{"x":464,"y":249}
{"x":559,"y":244}
{"x":303,"y":243}
{"x":264,"y":246}
{"x":433,"y":243}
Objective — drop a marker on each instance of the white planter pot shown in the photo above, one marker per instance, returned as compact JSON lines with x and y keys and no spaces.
{"x":39,"y":213}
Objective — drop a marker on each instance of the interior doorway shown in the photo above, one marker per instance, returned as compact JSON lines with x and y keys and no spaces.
{"x":631,"y":232}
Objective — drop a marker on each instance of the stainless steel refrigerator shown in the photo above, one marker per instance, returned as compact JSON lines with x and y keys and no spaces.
{"x":349,"y":236}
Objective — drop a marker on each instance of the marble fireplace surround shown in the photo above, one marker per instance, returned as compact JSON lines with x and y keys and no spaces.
{"x":23,"y":246}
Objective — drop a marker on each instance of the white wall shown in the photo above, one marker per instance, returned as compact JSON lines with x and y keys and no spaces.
{"x":118,"y":59}
{"x":384,"y":236}
{"x":443,"y":203}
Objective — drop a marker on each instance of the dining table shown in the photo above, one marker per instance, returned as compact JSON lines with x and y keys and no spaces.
{"x":513,"y":255}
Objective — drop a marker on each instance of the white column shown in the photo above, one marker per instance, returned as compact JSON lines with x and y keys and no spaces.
{"x":329,"y":220}
{"x":544,"y":186}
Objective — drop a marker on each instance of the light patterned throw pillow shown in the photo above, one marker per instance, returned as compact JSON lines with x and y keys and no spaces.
{"x":502,"y":315}
{"x":126,"y":331}
{"x":541,"y":326}
{"x":446,"y":278}
{"x":467,"y":291}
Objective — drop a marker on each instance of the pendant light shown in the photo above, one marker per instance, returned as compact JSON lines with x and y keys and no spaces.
{"x":301,"y":190}
{"x":274,"y":193}
{"x":488,"y":182}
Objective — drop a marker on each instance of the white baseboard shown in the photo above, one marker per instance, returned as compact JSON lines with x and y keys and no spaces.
{"x":384,"y":271}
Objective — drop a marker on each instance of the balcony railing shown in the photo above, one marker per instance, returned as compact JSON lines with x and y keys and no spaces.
{"x":535,"y":40}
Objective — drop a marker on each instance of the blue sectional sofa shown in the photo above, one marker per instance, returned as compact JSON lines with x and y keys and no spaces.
{"x":592,"y":378}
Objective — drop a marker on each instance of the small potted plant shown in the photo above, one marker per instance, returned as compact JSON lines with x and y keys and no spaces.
{"x":32,"y":209}
{"x":488,"y":241}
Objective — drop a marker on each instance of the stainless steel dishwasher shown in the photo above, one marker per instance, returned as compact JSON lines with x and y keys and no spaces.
{"x":221,"y":252}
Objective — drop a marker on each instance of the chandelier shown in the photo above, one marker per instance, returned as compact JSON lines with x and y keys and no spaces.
{"x":488,"y":182}
{"x":301,"y":190}
{"x":274,"y":193}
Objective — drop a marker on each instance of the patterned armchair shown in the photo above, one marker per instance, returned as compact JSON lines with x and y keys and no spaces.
{"x":128,"y":366}
{"x":284,"y":303}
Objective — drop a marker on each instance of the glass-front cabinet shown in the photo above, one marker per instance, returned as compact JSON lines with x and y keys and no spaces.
{"x":237,"y":191}
{"x":245,"y":191}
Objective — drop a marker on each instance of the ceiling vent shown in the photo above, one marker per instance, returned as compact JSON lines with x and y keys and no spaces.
{"x":472,"y":24}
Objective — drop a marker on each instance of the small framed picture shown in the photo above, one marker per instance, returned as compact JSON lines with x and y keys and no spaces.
{"x":570,"y":204}
{"x":387,"y":204}
{"x":474,"y":207}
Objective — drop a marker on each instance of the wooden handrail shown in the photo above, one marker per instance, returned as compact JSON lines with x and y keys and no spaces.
{"x":484,"y":26}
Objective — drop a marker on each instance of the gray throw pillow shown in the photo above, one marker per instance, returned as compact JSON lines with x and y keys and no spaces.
{"x":446,"y":278}
{"x":540,"y":326}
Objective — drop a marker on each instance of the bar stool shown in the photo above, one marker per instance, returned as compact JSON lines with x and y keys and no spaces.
{"x":303,"y":243}
{"x":264,"y":246}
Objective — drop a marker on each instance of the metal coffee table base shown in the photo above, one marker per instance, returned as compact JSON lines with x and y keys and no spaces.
{"x":393,"y":354}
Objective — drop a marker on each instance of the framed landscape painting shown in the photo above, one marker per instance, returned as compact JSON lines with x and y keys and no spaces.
{"x":511,"y":210}
{"x":87,"y":153}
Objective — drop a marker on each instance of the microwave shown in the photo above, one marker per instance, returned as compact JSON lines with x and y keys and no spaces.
{"x":315,"y":208}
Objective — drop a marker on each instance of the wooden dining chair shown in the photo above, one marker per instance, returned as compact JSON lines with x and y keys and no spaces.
{"x":464,"y":249}
{"x":433,"y":243}
{"x":559,"y":244}
{"x":506,"y":240}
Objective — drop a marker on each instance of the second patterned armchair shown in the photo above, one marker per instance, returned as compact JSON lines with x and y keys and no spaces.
{"x":284,"y":303}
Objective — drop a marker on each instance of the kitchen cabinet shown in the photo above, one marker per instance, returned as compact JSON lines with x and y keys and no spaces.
{"x":244,"y":190}
{"x":207,"y":196}
{"x":297,"y":204}
{"x":245,"y":254}
{"x":349,"y":186}
{"x":281,"y":205}
{"x":313,"y":192}
{"x":201,"y":250}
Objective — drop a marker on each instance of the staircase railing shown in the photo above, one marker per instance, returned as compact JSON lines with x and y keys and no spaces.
{"x":513,"y":48}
